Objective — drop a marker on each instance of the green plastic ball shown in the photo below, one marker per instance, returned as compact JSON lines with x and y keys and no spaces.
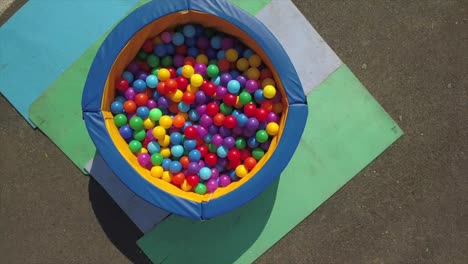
{"x":200,"y":188}
{"x":153,"y":61}
{"x":156,"y":159}
{"x":212,"y":70}
{"x":135,"y":146}
{"x":136,"y":123}
{"x":258,"y":153}
{"x":225,"y":109}
{"x":212,"y":148}
{"x":261,"y":136}
{"x":142,"y":55}
{"x":241,"y":143}
{"x":120,"y":120}
{"x":245,"y":97}
{"x":139,"y":135}
{"x":155,"y":71}
{"x":166,"y":61}
{"x":155,"y":114}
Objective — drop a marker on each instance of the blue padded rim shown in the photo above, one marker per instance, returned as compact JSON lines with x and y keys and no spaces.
{"x":111,"y":48}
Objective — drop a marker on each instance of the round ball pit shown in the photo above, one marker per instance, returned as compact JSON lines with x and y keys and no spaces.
{"x":120,"y":47}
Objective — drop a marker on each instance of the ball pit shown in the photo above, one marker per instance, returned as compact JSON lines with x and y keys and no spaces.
{"x":200,"y":108}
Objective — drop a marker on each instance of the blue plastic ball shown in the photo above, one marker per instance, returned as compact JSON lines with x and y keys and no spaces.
{"x":242,"y":120}
{"x":248,"y":53}
{"x":177,"y":151}
{"x":139,"y":86}
{"x":176,"y":138}
{"x":235,"y":113}
{"x":194,"y":155}
{"x":190,"y":42}
{"x":221,"y":54}
{"x":170,"y":49}
{"x":216,"y":42}
{"x":179,"y":71}
{"x":207,"y":138}
{"x":216,"y":80}
{"x":193,"y":115}
{"x":166,"y":164}
{"x":175,"y":167}
{"x":258,"y":96}
{"x":234,"y":74}
{"x":222,"y":151}
{"x":232,"y":174}
{"x":193,"y":52}
{"x":128,"y":76}
{"x":205,"y":173}
{"x":143,"y":112}
{"x":187,"y":123}
{"x":189,"y":31}
{"x":252,"y":142}
{"x":178,"y":39}
{"x":152,"y":81}
{"x":153,"y":147}
{"x":126,"y":132}
{"x":190,"y":144}
{"x":156,"y":95}
{"x":233,"y":86}
{"x":160,"y":50}
{"x":183,"y":107}
{"x":120,"y":99}
{"x":117,"y":107}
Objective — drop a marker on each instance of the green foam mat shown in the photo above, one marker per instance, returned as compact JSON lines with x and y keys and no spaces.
{"x":57,"y":112}
{"x":345,"y":131}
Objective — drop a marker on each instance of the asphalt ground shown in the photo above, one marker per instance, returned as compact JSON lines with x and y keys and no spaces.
{"x":408,"y":206}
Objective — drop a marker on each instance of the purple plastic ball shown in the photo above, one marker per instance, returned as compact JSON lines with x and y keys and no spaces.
{"x":144,"y":159}
{"x":214,"y":173}
{"x":130,"y":93}
{"x":211,"y":185}
{"x":262,"y":125}
{"x":217,"y":140}
{"x":265,"y":146}
{"x":227,"y":43}
{"x":221,"y":91}
{"x":225,"y":132}
{"x":201,"y":109}
{"x":133,"y":67}
{"x":225,"y":79}
{"x":213,"y":130}
{"x":149,"y":135}
{"x":272,"y":117}
{"x":242,"y":80}
{"x":210,"y":53}
{"x":223,"y":162}
{"x":224,"y":180}
{"x":252,"y":123}
{"x":163,"y":102}
{"x":200,"y":68}
{"x":152,"y":104}
{"x":200,"y":97}
{"x":251,"y":86}
{"x":237,"y":131}
{"x":202,"y":131}
{"x":249,"y":132}
{"x":201,"y":164}
{"x":206,"y":120}
{"x":203,"y":43}
{"x":229,"y":142}
{"x":178,"y":60}
{"x":193,"y":167}
{"x":142,"y":75}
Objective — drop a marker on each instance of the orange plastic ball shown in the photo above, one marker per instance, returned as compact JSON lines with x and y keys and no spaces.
{"x":178,"y":121}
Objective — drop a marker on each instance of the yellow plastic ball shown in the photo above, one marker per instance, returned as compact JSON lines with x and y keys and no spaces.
{"x":278,"y":108}
{"x":202,"y":58}
{"x":253,"y":73}
{"x":188,"y":71}
{"x":242,"y":64}
{"x":185,"y":186}
{"x":272,"y":129}
{"x":159,"y":132}
{"x":148,"y":123}
{"x":164,"y":74}
{"x":157,"y":171}
{"x":269,"y":91}
{"x":176,"y":97}
{"x":255,"y":61}
{"x":164,"y":142}
{"x":142,"y":150}
{"x":268,"y":81}
{"x":167,"y":176}
{"x":196,"y":80}
{"x":232,"y":55}
{"x":165,"y":121}
{"x":241,"y":171}
{"x":165,"y":152}
{"x":192,"y":88}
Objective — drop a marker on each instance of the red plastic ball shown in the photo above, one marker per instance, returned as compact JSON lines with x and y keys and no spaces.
{"x":184,"y":160}
{"x":182,"y":83}
{"x":141,"y":99}
{"x":250,"y":110}
{"x":250,"y":163}
{"x":245,"y":153}
{"x":233,"y":164}
{"x":209,"y":88}
{"x":265,"y":73}
{"x":193,"y":180}
{"x":130,"y":107}
{"x":234,"y":155}
{"x":199,"y":141}
{"x":148,"y":46}
{"x":190,"y":132}
{"x":212,"y":109}
{"x":146,"y":142}
{"x":182,"y":50}
{"x":171,"y":86}
{"x":203,"y":150}
{"x":261,"y":115}
{"x":230,"y":121}
{"x":188,"y":98}
{"x":211,"y":159}
{"x":218,"y":119}
{"x":121,"y":84}
{"x":144,"y":66}
{"x":230,"y":99}
{"x":224,"y":65}
{"x":161,"y":88}
{"x":178,"y":179}
{"x":173,"y":108}
{"x":190,"y":61}
{"x":172,"y":72}
{"x":267,"y":105}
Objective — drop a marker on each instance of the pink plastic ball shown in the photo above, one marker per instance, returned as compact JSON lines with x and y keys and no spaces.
{"x":144,"y":159}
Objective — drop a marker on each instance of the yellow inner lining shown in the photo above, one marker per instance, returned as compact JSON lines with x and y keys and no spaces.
{"x":126,"y":56}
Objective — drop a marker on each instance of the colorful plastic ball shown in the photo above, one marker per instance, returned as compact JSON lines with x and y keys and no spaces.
{"x":166,"y":176}
{"x":212,"y":109}
{"x":253,"y":73}
{"x":190,"y":144}
{"x":258,"y":153}
{"x":205,"y":173}
{"x":261,"y":115}
{"x":178,"y":39}
{"x":250,"y":163}
{"x":200,"y":189}
{"x":224,"y":180}
{"x":144,"y":159}
{"x":148,"y":123}
{"x":241,"y":171}
{"x":251,"y":86}
{"x":176,"y":138}
{"x":252,"y":123}
{"x":255,"y":61}
{"x":233,"y":86}
{"x":242,"y":64}
{"x":225,"y":109}
{"x":155,"y":114}
{"x":165,"y":152}
{"x":136,"y":123}
{"x":139,"y":135}
{"x":245,"y":98}
{"x":211,"y":185}
{"x":230,"y":99}
{"x":221,"y":91}
{"x":190,"y":132}
{"x":272,"y":129}
{"x":225,"y":79}
{"x":218,"y":119}
{"x":135,"y":146}
{"x":117,"y":107}
{"x":152,"y":81}
{"x":211,"y":159}
{"x":157,"y":171}
{"x":141,"y":99}
{"x":189,"y":31}
{"x":177,"y":150}
{"x":164,"y":141}
{"x":200,"y":68}
{"x":261,"y":136}
{"x":194,"y":155}
{"x":252,"y":142}
{"x":175,"y":167}
{"x":178,"y":179}
{"x":126,"y":132}
{"x":128,"y":76}
{"x":269,"y":91}
{"x":259,"y":96}
{"x":164,"y":74}
{"x":139,"y":86}
{"x":165,"y":121}
{"x":153,"y":147}
{"x":250,"y":110}
{"x":234,"y":155}
{"x":193,"y":167}
{"x":142,"y":112}
{"x":222,"y":151}
{"x":159,"y":132}
{"x":178,"y":121}
{"x":183,"y":107}
{"x":196,"y":80}
{"x":232,"y":55}
{"x":120,"y":120}
{"x":130,"y":107}
{"x":241,"y":143}
{"x":188,"y":71}
{"x":212,"y":70}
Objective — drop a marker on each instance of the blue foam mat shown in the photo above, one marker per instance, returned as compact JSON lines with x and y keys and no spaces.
{"x":44,"y":38}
